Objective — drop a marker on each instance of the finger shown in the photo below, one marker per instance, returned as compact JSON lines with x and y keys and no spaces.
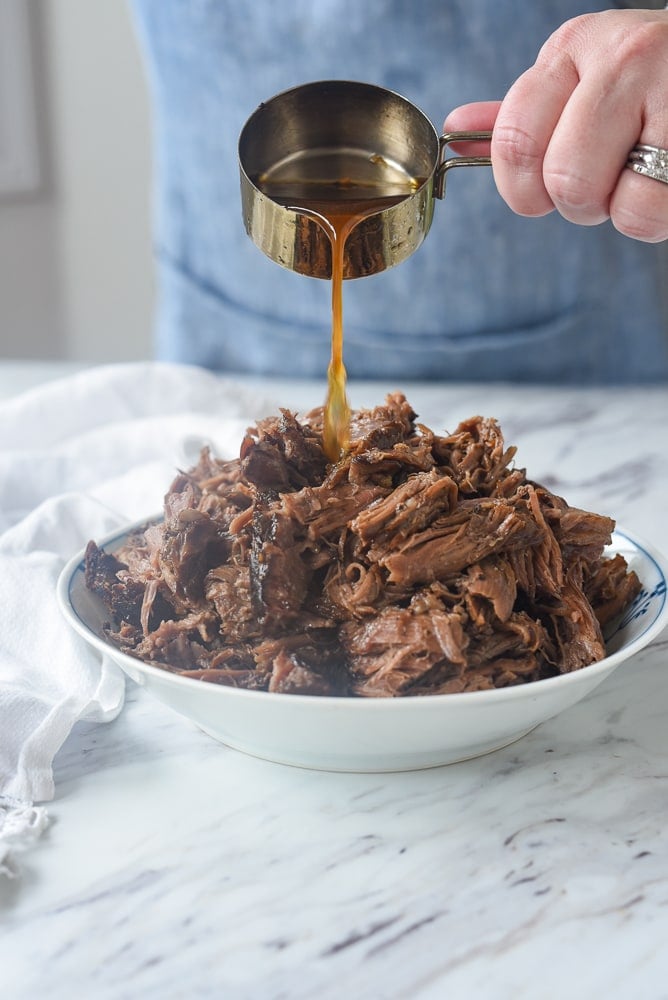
{"x":639,"y":204}
{"x":585,"y":155}
{"x":477,"y":117}
{"x":524,"y":126}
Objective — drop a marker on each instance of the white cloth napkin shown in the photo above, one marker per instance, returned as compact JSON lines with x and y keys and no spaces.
{"x":79,"y":457}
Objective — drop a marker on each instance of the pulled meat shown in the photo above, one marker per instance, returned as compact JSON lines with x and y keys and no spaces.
{"x":418,"y":564}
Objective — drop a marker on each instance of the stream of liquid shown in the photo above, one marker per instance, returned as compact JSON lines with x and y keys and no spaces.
{"x":338,"y":190}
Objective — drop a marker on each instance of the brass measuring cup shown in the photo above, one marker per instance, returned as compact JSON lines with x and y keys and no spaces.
{"x":337,"y":144}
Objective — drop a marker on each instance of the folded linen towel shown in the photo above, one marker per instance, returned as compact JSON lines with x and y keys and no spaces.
{"x":79,"y":457}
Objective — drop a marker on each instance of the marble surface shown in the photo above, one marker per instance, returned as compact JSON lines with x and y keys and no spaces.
{"x":175,"y":867}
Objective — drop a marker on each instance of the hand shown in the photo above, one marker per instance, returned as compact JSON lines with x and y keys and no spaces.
{"x":562,"y":135}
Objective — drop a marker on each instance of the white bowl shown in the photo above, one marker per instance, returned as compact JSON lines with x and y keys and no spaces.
{"x":377,"y":734}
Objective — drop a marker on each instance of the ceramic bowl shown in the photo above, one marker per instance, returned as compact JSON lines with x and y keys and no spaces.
{"x":382,"y":734}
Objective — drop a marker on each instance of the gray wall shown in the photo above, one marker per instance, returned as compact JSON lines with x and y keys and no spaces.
{"x":76,"y":277}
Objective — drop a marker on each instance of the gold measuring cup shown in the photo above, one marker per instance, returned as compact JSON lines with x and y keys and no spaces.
{"x":335,"y":147}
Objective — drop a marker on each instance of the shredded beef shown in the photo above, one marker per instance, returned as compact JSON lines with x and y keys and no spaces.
{"x":418,"y":564}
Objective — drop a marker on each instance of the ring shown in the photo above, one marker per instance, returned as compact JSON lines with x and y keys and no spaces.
{"x":651,"y":161}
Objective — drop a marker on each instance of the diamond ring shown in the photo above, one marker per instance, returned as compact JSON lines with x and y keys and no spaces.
{"x":651,"y":161}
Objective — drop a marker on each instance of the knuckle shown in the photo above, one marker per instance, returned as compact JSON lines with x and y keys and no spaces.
{"x":643,"y":45}
{"x":627,"y":46}
{"x":567,"y":39}
{"x":517,"y":147}
{"x":572,"y":190}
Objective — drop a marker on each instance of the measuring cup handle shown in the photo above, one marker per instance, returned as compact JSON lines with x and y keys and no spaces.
{"x":445,"y":163}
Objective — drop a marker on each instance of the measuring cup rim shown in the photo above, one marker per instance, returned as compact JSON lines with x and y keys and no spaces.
{"x":344,"y":84}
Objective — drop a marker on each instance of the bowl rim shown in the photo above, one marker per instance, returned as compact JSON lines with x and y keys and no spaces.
{"x":592,"y":672}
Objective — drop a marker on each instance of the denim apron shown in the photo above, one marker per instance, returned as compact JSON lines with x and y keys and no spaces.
{"x":488,"y":296}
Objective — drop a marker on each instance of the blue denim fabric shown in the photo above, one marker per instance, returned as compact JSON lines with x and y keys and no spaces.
{"x":488,"y":296}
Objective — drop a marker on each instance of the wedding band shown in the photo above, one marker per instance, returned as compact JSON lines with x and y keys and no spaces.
{"x":651,"y":161}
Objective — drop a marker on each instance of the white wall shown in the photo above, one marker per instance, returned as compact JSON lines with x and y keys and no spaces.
{"x":76,"y":276}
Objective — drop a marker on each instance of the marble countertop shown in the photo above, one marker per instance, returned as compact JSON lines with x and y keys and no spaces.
{"x":176,"y":867}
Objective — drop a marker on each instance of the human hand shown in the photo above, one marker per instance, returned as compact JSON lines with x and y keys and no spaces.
{"x":563,"y":133}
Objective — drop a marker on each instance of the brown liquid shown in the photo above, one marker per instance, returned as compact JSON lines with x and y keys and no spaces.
{"x":337,"y":190}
